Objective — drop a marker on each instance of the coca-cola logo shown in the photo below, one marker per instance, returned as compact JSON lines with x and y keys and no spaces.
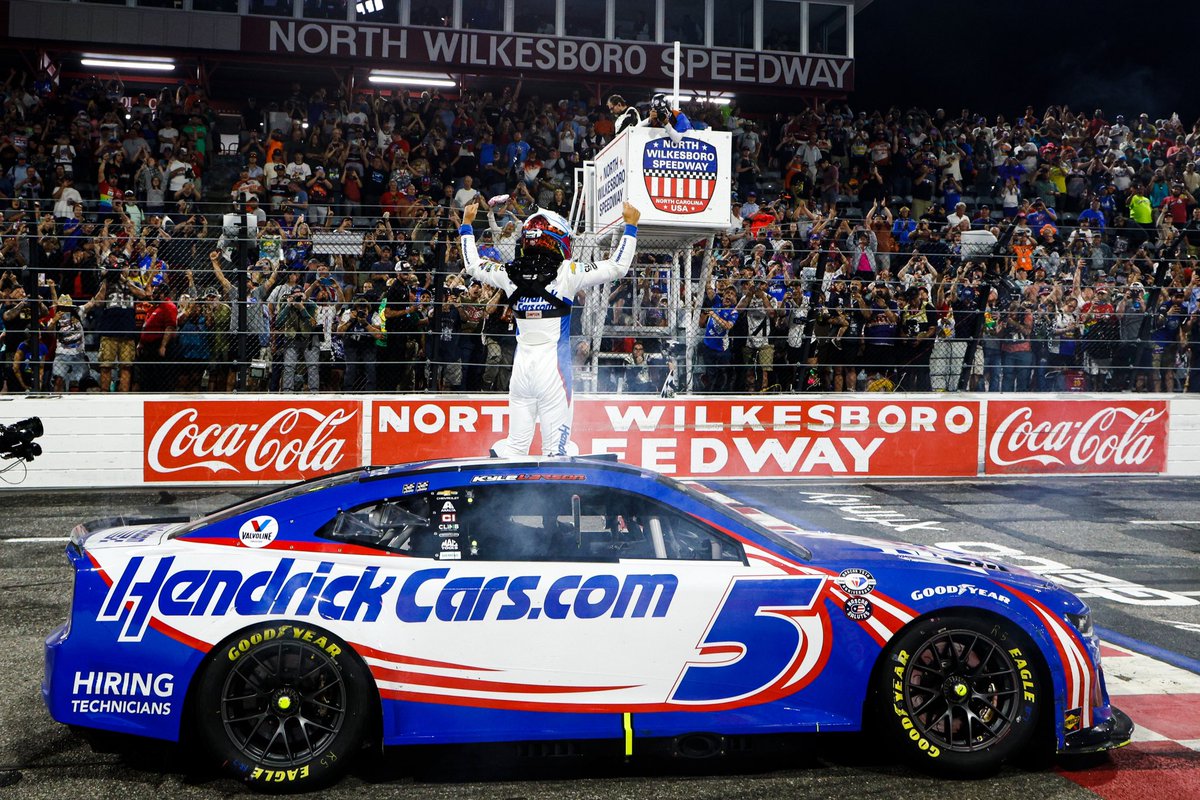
{"x":1077,"y":437}
{"x":231,"y":440}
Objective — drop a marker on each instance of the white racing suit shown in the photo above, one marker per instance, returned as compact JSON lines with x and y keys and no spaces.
{"x":539,"y":391}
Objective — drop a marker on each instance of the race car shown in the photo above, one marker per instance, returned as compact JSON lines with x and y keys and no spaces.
{"x":572,"y":599}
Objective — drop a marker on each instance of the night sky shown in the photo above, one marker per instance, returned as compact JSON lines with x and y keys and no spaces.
{"x":1125,"y":56}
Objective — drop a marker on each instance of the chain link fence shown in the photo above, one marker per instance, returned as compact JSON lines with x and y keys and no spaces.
{"x":366,"y":309}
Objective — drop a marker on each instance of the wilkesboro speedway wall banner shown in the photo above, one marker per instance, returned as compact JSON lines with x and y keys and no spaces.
{"x":115,"y":441}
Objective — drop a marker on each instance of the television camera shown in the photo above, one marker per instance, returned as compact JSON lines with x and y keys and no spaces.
{"x":17,"y":440}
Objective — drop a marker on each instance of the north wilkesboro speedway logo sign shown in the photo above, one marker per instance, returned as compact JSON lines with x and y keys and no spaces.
{"x":680,"y":176}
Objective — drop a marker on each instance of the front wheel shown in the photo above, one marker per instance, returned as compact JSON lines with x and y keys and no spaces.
{"x":959,"y":695}
{"x":283,"y":707}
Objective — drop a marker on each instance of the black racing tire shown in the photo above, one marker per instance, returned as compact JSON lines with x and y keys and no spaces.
{"x":283,"y":706}
{"x":959,"y":695}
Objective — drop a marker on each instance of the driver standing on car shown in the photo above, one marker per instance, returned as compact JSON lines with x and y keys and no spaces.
{"x":541,"y":284}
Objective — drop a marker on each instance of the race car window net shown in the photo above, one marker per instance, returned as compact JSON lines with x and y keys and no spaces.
{"x":780,"y":539}
{"x":269,"y":497}
{"x":531,"y":523}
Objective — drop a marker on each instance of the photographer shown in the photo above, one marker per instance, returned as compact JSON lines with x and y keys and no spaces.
{"x":117,"y":321}
{"x":359,"y":336}
{"x":499,"y":341}
{"x":844,"y":352}
{"x":1127,"y":361}
{"x":179,"y":172}
{"x":259,"y":281}
{"x":1167,"y":336}
{"x":919,"y":327}
{"x":757,"y":308}
{"x":718,"y":318}
{"x":406,"y":318}
{"x":296,"y":319}
{"x":794,"y":313}
{"x":19,"y":338}
{"x":331,"y":346}
{"x":70,"y":362}
{"x":471,"y":312}
{"x":444,"y":355}
{"x":879,"y":310}
{"x":918,"y":272}
{"x":1014,"y":329}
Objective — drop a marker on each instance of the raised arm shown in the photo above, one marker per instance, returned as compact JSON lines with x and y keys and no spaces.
{"x":613,"y":268}
{"x":215,"y":259}
{"x":488,"y":273}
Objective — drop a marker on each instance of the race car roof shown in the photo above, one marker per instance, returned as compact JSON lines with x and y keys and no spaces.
{"x":603,"y":461}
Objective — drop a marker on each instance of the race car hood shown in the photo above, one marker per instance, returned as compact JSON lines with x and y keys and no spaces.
{"x":114,"y":532}
{"x":836,"y":548}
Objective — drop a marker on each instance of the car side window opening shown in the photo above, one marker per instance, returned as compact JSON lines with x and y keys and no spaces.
{"x":546,"y":522}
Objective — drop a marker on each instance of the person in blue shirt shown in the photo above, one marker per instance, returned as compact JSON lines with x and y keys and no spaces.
{"x":28,"y":370}
{"x":516,"y":152}
{"x":1094,"y":215}
{"x":1011,"y":168}
{"x":903,"y":228}
{"x":716,"y":353}
{"x":673,"y":122}
{"x":1041,"y":216}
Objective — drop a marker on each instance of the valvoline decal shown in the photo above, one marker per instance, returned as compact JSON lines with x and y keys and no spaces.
{"x":680,"y":176}
{"x":155,"y":588}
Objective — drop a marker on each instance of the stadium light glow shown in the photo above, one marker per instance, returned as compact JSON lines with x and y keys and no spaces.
{"x":715,"y":98}
{"x":368,"y":6}
{"x":412,"y":79}
{"x":141,"y":63}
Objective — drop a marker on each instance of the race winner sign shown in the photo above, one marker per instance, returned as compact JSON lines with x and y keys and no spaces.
{"x":681,"y":184}
{"x":704,"y":437}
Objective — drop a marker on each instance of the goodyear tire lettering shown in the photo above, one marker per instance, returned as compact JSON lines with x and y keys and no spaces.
{"x":256,"y":638}
{"x":279,"y":775}
{"x":1027,"y":686}
{"x":326,"y":760}
{"x":904,"y":689}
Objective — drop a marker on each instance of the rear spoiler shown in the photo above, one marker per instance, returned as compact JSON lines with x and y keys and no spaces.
{"x":81,"y":531}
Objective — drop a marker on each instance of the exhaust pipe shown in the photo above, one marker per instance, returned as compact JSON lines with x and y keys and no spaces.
{"x":697,"y":746}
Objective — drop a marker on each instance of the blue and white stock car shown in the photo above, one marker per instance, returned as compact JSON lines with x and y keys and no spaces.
{"x":577,"y":599}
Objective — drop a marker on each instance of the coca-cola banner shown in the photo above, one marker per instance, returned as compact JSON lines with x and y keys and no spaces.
{"x":250,"y":440}
{"x":736,"y":437}
{"x":1092,"y":436}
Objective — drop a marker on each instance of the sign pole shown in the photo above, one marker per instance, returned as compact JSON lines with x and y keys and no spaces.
{"x":678,"y":69}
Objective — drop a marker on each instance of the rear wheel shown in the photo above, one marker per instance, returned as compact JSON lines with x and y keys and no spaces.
{"x":283,"y":707}
{"x":960,"y":695}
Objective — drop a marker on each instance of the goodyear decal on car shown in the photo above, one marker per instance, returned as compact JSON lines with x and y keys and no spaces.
{"x":961,"y":590}
{"x":154,"y":588}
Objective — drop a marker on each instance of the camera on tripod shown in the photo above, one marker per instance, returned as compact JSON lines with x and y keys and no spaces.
{"x":17,"y":440}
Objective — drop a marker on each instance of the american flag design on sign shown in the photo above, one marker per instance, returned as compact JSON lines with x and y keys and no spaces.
{"x":680,"y":176}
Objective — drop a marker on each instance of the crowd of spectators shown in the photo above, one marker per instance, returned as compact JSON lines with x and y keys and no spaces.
{"x":865,"y":251}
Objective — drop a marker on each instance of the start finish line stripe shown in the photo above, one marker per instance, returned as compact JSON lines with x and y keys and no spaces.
{"x":1159,"y":690}
{"x":1159,"y":654}
{"x":37,"y":540}
{"x":1143,"y":769}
